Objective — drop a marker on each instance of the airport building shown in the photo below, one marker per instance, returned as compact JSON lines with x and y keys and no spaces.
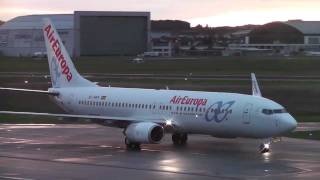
{"x":289,"y":37}
{"x":84,"y":33}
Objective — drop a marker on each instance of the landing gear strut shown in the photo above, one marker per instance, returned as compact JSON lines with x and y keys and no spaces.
{"x":264,"y":148}
{"x":179,"y":138}
{"x":131,"y":145}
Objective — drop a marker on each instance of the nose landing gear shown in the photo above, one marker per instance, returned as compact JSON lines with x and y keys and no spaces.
{"x":266,"y":146}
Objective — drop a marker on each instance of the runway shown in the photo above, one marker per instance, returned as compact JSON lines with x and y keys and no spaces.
{"x":49,"y":151}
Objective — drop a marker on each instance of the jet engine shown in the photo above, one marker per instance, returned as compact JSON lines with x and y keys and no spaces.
{"x":144,"y":132}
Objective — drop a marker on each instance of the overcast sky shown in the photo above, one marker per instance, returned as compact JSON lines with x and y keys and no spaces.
{"x":211,"y":12}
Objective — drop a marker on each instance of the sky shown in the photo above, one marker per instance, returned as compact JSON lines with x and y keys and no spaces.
{"x":205,"y":12}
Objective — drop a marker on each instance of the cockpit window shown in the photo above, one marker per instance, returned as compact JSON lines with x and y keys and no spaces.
{"x":267,"y":111}
{"x":278,"y":111}
{"x":273,"y":111}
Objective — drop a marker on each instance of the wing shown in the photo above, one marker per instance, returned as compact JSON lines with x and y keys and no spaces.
{"x":97,"y":119}
{"x":31,"y":91}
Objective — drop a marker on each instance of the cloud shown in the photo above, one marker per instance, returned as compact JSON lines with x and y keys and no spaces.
{"x":215,"y":12}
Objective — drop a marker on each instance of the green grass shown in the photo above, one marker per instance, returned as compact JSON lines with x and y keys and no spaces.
{"x":308,"y":118}
{"x":201,"y":65}
{"x":312,"y":135}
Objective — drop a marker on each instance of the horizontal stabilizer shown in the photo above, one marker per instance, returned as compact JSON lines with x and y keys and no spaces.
{"x":31,"y":91}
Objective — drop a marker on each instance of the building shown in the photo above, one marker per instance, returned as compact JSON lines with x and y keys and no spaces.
{"x":22,"y":36}
{"x":285,"y":38}
{"x":84,"y":33}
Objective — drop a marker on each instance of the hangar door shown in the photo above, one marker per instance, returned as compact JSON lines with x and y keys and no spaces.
{"x":113,"y":35}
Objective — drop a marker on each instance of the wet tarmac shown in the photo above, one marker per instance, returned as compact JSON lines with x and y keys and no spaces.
{"x":49,"y":151}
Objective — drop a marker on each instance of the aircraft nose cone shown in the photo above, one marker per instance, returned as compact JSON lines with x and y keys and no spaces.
{"x":288,"y":123}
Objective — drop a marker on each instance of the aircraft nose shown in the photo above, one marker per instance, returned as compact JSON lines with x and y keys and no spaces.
{"x":288,"y":123}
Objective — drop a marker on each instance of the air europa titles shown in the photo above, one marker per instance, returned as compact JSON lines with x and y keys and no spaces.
{"x":188,"y":101}
{"x":55,"y":45}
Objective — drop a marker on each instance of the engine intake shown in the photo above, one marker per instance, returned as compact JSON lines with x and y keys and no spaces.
{"x":144,"y":132}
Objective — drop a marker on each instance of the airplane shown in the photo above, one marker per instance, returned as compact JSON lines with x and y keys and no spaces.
{"x":145,"y":114}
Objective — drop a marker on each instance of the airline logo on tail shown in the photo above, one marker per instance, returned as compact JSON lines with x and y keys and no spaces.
{"x":55,"y":45}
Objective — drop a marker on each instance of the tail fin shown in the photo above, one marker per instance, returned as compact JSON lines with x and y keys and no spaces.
{"x":62,"y":71}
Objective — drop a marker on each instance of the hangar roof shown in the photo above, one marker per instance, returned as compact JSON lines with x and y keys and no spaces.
{"x":61,"y":21}
{"x":305,"y":27}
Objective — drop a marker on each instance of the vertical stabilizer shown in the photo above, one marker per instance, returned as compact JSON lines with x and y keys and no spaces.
{"x":62,"y":70}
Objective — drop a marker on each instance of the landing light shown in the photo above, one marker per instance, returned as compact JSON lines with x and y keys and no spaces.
{"x":168,"y":122}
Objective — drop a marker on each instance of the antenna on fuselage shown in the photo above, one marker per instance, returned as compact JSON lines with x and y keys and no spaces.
{"x":255,"y":87}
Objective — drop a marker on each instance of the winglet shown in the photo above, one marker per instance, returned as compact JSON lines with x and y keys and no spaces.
{"x":255,"y":86}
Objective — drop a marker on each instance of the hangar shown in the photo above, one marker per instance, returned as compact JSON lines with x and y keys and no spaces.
{"x":84,"y":33}
{"x":285,"y":37}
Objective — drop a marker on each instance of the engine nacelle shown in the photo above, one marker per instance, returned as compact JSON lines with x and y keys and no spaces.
{"x":144,"y":132}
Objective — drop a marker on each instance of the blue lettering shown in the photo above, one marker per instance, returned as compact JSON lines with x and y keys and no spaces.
{"x":219,"y":111}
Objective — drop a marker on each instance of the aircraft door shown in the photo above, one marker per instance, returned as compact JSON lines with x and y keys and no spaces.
{"x":70,"y":103}
{"x":246,"y":114}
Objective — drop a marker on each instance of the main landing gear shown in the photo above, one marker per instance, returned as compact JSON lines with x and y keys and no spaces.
{"x":131,"y":145}
{"x":179,"y":138}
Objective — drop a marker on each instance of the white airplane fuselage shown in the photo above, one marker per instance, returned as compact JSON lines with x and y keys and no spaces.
{"x":223,"y":115}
